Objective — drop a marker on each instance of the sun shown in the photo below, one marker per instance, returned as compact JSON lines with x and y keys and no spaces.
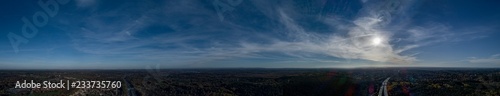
{"x":376,"y":41}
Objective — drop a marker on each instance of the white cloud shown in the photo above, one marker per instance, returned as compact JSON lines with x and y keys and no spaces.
{"x":493,"y":59}
{"x":357,"y":44}
{"x":350,"y":39}
{"x":301,"y":43}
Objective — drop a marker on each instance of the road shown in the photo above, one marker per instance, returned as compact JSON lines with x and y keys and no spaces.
{"x":130,"y":88}
{"x":383,"y":88}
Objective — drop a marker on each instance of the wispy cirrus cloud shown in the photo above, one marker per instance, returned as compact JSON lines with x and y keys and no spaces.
{"x":256,"y":33}
{"x":189,"y":32}
{"x":493,"y":59}
{"x":355,"y":43}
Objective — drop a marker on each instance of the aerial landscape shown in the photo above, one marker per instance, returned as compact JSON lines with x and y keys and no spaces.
{"x":271,"y":82}
{"x":250,"y":48}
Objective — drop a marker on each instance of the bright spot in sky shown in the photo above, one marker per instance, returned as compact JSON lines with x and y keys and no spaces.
{"x":376,"y":41}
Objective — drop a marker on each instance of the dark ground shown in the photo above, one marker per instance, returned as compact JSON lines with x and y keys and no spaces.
{"x":266,"y":82}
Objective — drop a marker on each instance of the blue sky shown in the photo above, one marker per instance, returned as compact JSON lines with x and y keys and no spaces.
{"x":135,"y":34}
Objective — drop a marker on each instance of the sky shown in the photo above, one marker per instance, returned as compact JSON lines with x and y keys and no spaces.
{"x":136,"y":34}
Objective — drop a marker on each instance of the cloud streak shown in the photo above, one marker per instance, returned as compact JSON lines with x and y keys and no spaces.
{"x":354,"y":43}
{"x":494,"y":59}
{"x":189,"y":32}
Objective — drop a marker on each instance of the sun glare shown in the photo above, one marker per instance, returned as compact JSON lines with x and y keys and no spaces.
{"x":376,"y":41}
